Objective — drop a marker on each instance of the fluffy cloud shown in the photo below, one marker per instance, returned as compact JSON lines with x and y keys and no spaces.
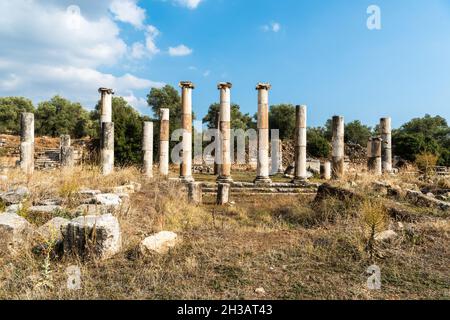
{"x":129,"y":12}
{"x":180,"y":51}
{"x":191,"y":4}
{"x":47,"y":49}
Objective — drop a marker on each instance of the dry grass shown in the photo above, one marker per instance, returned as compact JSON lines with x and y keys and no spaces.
{"x":291,"y":247}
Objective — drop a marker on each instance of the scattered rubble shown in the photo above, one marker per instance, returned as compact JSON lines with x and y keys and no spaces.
{"x":14,"y":233}
{"x":160,"y":243}
{"x":15,"y":196}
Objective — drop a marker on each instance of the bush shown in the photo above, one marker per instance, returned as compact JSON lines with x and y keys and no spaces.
{"x":317,"y":146}
{"x":425,"y":161}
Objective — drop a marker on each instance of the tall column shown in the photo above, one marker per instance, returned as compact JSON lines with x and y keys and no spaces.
{"x":66,"y":152}
{"x":186,"y":122}
{"x":217,"y":160}
{"x":164,"y":142}
{"x":338,"y":147}
{"x":27,"y":142}
{"x":147,"y":149}
{"x":107,"y":148}
{"x":105,"y":104}
{"x":300,"y":144}
{"x":225,"y":132}
{"x":374,"y":164}
{"x":386,"y":147}
{"x":262,"y":170}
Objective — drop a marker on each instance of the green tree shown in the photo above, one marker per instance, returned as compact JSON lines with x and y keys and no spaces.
{"x":282,"y":117}
{"x":166,"y":98}
{"x":238,"y":119}
{"x":356,"y":132}
{"x":60,"y":116}
{"x":317,"y":145}
{"x":10,"y":110}
{"x":128,"y":126}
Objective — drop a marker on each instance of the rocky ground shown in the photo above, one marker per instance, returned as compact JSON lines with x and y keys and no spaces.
{"x":136,"y":239}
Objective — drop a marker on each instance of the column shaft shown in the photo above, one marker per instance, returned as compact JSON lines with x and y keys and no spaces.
{"x":374,"y":164}
{"x":386,"y":147}
{"x":225,"y":132}
{"x":147,"y":149}
{"x":164,"y":142}
{"x":186,"y":121}
{"x":338,"y":147}
{"x":66,"y":152}
{"x":107,"y":148}
{"x":27,"y":142}
{"x":300,"y":144}
{"x":105,"y":104}
{"x":262,"y":170}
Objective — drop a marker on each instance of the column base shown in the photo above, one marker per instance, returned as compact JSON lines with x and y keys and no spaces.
{"x":263,"y":181}
{"x":300,"y":181}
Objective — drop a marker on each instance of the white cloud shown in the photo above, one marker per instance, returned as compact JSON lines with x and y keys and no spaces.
{"x":206,"y":73}
{"x":45,"y":51}
{"x":273,"y":26}
{"x":180,"y":51}
{"x":129,"y":12}
{"x":136,"y":102}
{"x":151,"y":33}
{"x":191,"y":4}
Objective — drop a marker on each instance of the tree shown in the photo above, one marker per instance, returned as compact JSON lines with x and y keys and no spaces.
{"x":238,"y":119}
{"x":60,"y":116}
{"x":166,"y":98}
{"x":10,"y":110}
{"x":356,"y":132}
{"x":128,"y":126}
{"x":282,"y":117}
{"x":317,"y":145}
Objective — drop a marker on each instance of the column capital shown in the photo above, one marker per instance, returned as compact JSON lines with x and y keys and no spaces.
{"x":224,"y":85}
{"x":263,"y":86}
{"x":186,"y":84}
{"x":106,"y":90}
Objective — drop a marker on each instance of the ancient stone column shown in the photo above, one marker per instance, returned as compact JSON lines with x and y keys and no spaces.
{"x":276,"y":154}
{"x":147,"y":149}
{"x":67,"y":152}
{"x":217,"y":158}
{"x":107,"y":148}
{"x":27,"y":142}
{"x":186,"y":122}
{"x":262,"y":170}
{"x":105,"y":104}
{"x":338,"y":147}
{"x":386,"y":147}
{"x":300,"y":144}
{"x":195,"y":194}
{"x":225,"y":132}
{"x":374,"y":164}
{"x":164,"y":142}
{"x":325,"y":170}
{"x":223,"y":193}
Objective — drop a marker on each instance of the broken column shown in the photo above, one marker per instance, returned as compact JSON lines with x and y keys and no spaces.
{"x":147,"y":149}
{"x":105,"y":105}
{"x":225,"y":132}
{"x":186,"y":122}
{"x":223,"y":193}
{"x":164,"y":142}
{"x":300,"y":145}
{"x":338,"y":147}
{"x":67,"y":152}
{"x":262,"y":170}
{"x":325,"y":170}
{"x":374,"y":164}
{"x":386,"y":147}
{"x":276,"y":154}
{"x":107,"y":148}
{"x":195,"y":193}
{"x":27,"y":142}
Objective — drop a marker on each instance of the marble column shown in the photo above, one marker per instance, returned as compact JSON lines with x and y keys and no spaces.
{"x":300,"y":173}
{"x":107,"y":148}
{"x":186,"y":121}
{"x":262,"y":170}
{"x":225,"y":132}
{"x":105,"y":105}
{"x":147,"y":149}
{"x":374,"y":163}
{"x":164,"y":133}
{"x":66,"y":152}
{"x":27,"y":142}
{"x":217,"y":159}
{"x":325,"y":170}
{"x":386,"y":147}
{"x":338,"y":147}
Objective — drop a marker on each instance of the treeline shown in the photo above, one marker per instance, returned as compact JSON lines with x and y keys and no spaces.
{"x":427,"y":137}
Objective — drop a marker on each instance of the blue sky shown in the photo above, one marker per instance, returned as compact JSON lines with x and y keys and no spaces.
{"x":319,"y":53}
